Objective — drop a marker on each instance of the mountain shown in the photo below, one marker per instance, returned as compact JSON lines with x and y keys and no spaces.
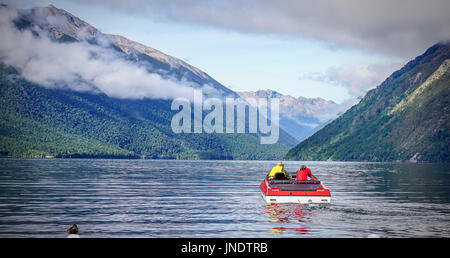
{"x":73,"y":118}
{"x":406,"y":118}
{"x":66,"y":27}
{"x":308,"y":107}
{"x":301,"y":116}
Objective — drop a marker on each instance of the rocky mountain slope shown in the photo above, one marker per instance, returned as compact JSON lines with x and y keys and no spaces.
{"x":67,"y":27}
{"x":301,"y":116}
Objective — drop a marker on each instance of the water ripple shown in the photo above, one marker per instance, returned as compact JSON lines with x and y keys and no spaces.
{"x":159,"y":198}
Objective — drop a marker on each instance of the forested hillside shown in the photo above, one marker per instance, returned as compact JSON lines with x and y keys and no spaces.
{"x":405,"y":118}
{"x":37,"y":122}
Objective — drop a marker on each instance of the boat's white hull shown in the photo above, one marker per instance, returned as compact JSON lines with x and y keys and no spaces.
{"x":296,"y":199}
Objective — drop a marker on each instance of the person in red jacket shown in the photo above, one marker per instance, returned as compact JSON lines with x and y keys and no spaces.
{"x":303,"y":173}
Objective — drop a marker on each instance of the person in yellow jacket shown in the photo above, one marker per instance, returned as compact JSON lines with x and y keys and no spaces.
{"x":279,"y":168}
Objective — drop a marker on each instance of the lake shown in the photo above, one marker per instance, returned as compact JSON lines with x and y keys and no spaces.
{"x":220,"y":199}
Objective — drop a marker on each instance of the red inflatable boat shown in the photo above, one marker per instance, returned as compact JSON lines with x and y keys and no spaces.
{"x":293,"y":191}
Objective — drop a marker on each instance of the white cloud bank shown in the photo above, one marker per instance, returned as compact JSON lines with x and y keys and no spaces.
{"x":80,"y":66}
{"x":357,"y":79}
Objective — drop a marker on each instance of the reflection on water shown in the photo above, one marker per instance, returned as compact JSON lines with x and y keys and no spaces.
{"x":145,"y":198}
{"x":295,"y":218}
{"x":295,"y":214}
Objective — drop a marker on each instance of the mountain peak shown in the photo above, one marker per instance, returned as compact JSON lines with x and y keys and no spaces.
{"x":309,"y":107}
{"x":51,"y":6}
{"x":60,"y":21}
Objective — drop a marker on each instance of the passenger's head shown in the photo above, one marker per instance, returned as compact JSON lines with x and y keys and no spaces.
{"x":303,"y":167}
{"x":73,"y":229}
{"x":280,"y":163}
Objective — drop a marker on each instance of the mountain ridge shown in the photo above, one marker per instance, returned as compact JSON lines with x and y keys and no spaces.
{"x":68,"y":27}
{"x":300,"y":116}
{"x":300,"y":105}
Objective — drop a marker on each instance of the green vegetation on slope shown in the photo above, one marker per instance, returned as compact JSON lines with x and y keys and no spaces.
{"x":405,"y":118}
{"x":37,"y":122}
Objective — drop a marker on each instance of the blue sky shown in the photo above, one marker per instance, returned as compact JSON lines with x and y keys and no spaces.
{"x":298,"y":63}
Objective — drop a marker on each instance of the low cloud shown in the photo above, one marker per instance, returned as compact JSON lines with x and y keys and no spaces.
{"x":80,"y":66}
{"x":357,"y":79}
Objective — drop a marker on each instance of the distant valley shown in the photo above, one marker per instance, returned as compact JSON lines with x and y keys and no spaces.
{"x":300,"y":116}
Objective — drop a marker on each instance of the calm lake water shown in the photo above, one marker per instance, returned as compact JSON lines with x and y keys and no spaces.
{"x":160,"y":198}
